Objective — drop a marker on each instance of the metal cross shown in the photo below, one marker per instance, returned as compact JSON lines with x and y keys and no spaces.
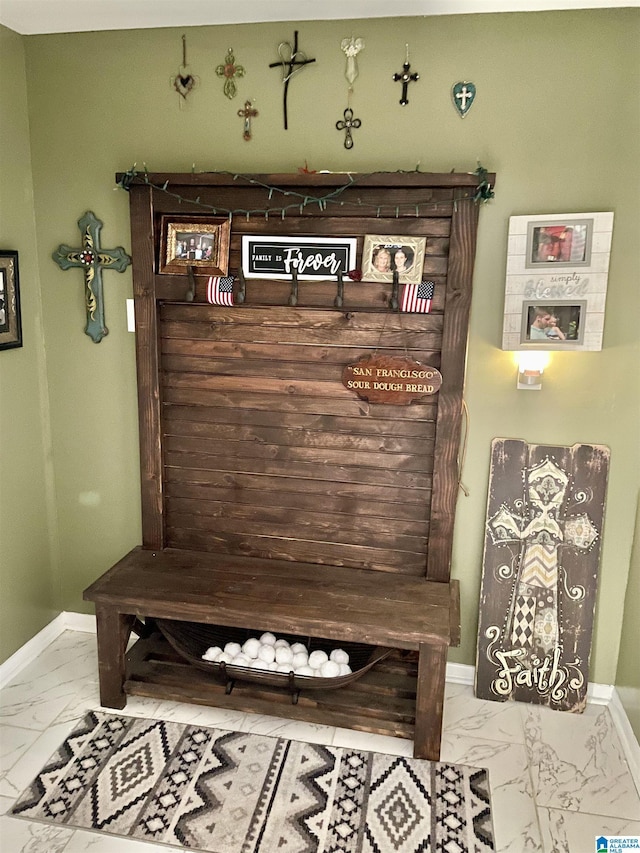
{"x":405,"y":78}
{"x":346,"y":125}
{"x":229,"y":70}
{"x":247,"y":114}
{"x":291,"y":61}
{"x":92,"y":259}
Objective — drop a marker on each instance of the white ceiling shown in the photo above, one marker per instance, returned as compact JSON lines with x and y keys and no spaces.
{"x":29,"y":17}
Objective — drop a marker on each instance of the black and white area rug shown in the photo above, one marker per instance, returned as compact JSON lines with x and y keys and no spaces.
{"x":227,"y":792}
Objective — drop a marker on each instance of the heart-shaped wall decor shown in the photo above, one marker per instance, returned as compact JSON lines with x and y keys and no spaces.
{"x":183,"y":83}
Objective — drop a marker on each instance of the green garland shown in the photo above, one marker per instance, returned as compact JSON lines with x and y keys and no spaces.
{"x":482,"y":194}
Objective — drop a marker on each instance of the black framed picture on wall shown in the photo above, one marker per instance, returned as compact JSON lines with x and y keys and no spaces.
{"x":10,"y":319}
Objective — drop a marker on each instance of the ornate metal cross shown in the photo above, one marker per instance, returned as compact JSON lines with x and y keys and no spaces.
{"x":405,"y":78}
{"x":229,"y":70}
{"x":346,"y":125}
{"x":92,"y":259}
{"x":291,"y":61}
{"x":247,"y":114}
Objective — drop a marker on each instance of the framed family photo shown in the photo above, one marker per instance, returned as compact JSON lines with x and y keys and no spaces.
{"x":382,"y":255}
{"x":191,"y":242}
{"x":553,"y":325}
{"x":559,"y":242}
{"x":10,"y":319}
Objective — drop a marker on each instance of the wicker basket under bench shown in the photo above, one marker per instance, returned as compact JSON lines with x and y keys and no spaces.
{"x":404,"y":698}
{"x":273,"y":497}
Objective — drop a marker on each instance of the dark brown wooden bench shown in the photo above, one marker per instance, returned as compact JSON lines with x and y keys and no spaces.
{"x":274,"y":595}
{"x":273,"y":497}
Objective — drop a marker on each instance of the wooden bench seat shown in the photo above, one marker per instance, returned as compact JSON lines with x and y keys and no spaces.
{"x":374,"y":608}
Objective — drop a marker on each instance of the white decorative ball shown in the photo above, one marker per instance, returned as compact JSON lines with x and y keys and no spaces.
{"x":330,"y":669}
{"x":339,"y":656}
{"x":232,"y":649}
{"x":317,"y":658}
{"x":240,"y":660}
{"x":224,"y":657}
{"x":256,"y":663}
{"x":272,"y":666}
{"x":345,"y":669}
{"x":304,"y":670}
{"x":284,"y":667}
{"x":298,"y":648}
{"x":251,"y":647}
{"x":267,"y":639}
{"x":267,"y":653}
{"x":284,"y":654}
{"x":212,"y":653}
{"x":300,"y":659}
{"x":281,"y":644}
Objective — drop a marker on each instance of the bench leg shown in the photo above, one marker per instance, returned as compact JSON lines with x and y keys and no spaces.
{"x":432,"y":664}
{"x":113,"y":630}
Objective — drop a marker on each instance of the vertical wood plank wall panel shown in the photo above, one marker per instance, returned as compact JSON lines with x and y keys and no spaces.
{"x":142,"y":239}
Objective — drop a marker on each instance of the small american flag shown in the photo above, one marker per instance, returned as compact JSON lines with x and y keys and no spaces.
{"x":417,"y":297}
{"x":220,"y":290}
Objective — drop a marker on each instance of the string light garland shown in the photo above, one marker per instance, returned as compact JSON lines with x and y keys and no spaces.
{"x":482,"y":194}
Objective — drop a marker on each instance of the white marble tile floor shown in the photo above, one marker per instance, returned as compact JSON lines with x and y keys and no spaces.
{"x":557,"y":780}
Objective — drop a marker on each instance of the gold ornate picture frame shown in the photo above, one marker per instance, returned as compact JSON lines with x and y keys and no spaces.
{"x":194,"y":242}
{"x":383,"y":254}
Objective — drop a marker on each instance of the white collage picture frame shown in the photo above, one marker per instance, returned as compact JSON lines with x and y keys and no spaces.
{"x":556,"y":281}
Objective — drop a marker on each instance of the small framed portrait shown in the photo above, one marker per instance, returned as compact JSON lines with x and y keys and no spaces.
{"x":382,"y":255}
{"x":553,"y":325}
{"x":192,"y":242}
{"x":559,"y":243}
{"x":10,"y":319}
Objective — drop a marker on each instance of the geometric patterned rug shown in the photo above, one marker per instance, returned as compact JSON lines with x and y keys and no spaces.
{"x":218,"y":791}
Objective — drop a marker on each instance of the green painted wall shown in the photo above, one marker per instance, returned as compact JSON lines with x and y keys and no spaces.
{"x":554,"y":118}
{"x":27,"y":544}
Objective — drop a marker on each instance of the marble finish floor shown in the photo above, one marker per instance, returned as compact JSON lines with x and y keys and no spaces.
{"x":557,"y":780}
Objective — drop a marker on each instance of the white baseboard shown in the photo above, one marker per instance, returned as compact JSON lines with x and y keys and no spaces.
{"x":460,"y":673}
{"x":628,"y":739}
{"x":64,"y":621}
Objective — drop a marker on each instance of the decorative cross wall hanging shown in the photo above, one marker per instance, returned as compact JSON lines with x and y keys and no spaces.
{"x":405,"y":78}
{"x":544,"y":522}
{"x":247,"y":114}
{"x":463,"y":95}
{"x":347,"y":125}
{"x":351,"y":48}
{"x":291,"y":61}
{"x":92,"y":259}
{"x":229,"y":70}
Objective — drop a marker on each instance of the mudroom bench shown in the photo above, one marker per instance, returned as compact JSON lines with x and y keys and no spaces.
{"x":277,"y":494}
{"x":403,"y":698}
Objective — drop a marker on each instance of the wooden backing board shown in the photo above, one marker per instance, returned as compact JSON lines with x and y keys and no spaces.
{"x":542,"y":546}
{"x":250,"y":444}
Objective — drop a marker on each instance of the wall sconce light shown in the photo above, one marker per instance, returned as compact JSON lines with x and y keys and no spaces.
{"x":531,"y":365}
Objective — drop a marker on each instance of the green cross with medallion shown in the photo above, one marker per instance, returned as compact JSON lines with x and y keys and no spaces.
{"x":92,"y":259}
